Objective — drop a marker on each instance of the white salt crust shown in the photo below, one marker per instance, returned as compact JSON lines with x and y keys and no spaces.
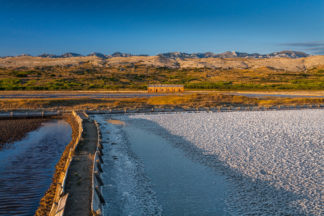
{"x":275,"y":158}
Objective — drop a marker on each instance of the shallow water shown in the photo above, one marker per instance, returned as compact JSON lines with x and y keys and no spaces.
{"x":27,"y":166}
{"x":145,"y":174}
{"x":183,"y":187}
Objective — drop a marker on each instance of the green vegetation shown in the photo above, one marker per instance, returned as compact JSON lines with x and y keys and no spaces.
{"x":136,"y":77}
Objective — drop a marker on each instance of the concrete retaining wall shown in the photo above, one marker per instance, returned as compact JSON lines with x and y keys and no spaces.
{"x":97,"y":199}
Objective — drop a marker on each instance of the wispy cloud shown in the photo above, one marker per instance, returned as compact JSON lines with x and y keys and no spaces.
{"x":315,"y":47}
{"x":304,"y":44}
{"x":316,"y":50}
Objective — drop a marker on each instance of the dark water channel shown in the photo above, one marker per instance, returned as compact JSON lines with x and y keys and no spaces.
{"x":27,"y":166}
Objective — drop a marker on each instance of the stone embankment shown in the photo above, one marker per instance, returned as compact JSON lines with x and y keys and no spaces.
{"x":54,"y":199}
{"x":76,"y":185}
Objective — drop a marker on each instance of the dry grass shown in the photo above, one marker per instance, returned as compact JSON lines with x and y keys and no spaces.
{"x":290,"y":101}
{"x":185,"y":101}
{"x":137,"y":75}
{"x":201,"y":100}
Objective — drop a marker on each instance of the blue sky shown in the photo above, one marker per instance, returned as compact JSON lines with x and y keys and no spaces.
{"x":156,"y":26}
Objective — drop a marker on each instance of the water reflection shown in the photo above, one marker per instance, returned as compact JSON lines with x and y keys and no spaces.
{"x":27,"y":166}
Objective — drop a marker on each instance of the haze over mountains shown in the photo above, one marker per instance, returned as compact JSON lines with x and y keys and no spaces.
{"x":182,"y":55}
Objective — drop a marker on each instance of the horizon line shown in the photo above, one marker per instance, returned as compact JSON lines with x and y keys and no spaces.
{"x":143,"y":54}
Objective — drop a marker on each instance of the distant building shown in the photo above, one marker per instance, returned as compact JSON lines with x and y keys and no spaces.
{"x":165,"y":88}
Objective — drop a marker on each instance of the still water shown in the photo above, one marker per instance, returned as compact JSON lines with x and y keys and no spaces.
{"x":182,"y":186}
{"x":27,"y":166}
{"x":146,"y":174}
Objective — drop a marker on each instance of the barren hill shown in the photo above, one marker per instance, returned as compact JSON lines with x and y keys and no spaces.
{"x":279,"y":63}
{"x":135,"y":72}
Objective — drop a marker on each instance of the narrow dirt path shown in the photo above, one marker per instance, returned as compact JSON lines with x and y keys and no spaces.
{"x":79,"y":180}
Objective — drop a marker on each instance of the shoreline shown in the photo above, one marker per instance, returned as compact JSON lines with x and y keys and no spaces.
{"x":47,"y":200}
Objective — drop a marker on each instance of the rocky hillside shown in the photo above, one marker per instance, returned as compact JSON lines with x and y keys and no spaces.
{"x":233,"y":54}
{"x":287,"y":61}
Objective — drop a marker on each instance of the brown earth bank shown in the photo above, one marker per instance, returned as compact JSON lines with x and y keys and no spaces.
{"x":47,"y":200}
{"x":197,"y":100}
{"x":16,"y":129}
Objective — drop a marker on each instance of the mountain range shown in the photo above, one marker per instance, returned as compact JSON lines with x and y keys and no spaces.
{"x":285,"y":60}
{"x":233,"y":54}
{"x":182,"y":55}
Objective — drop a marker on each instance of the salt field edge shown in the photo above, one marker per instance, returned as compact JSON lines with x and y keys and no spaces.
{"x":249,"y":162}
{"x":272,"y":158}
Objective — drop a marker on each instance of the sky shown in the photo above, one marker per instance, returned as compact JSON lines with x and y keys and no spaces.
{"x":157,"y":26}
